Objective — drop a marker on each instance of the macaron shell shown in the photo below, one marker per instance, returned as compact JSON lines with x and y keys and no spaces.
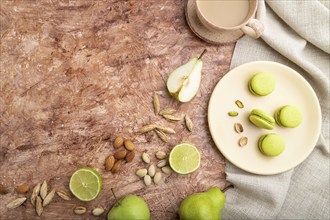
{"x":261,"y":84}
{"x":262,"y":119}
{"x":271,"y":145}
{"x":288,"y":116}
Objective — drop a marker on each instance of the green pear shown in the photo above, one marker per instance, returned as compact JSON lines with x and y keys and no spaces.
{"x":130,"y":207}
{"x":183,"y":83}
{"x":203,"y":205}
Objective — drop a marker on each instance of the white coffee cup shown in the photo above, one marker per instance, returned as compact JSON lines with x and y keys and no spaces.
{"x":228,"y":15}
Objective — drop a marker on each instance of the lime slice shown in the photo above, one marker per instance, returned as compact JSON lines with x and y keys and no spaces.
{"x":184,"y":158}
{"x":85,"y":184}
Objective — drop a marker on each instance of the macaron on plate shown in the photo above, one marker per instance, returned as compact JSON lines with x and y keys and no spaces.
{"x":294,"y":124}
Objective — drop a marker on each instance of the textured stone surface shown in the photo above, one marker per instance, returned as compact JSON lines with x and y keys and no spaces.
{"x":75,"y":74}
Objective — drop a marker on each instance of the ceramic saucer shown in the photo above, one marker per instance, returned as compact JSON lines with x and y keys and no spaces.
{"x":213,"y":37}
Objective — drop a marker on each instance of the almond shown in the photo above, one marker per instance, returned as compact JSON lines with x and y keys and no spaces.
{"x":116,"y":166}
{"x":129,"y":145}
{"x":130,"y":156}
{"x":120,"y":154}
{"x":119,"y":141}
{"x":109,"y":162}
{"x":24,"y":188}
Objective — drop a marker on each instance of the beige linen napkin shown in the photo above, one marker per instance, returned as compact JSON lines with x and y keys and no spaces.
{"x":297,"y":35}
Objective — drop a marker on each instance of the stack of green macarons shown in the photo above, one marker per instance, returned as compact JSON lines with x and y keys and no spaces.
{"x":288,"y":116}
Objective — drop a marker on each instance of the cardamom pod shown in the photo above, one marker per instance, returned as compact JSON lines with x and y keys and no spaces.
{"x":165,"y":129}
{"x":16,"y":203}
{"x":167,"y":111}
{"x":148,"y":128}
{"x":35,"y":193}
{"x":189,"y":123}
{"x":63,"y":195}
{"x":156,"y":103}
{"x":48,"y":198}
{"x":43,"y":190}
{"x":172,"y":117}
{"x":162,"y":135}
{"x":39,"y":208}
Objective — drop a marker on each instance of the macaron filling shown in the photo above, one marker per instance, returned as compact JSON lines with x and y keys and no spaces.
{"x":261,"y":119}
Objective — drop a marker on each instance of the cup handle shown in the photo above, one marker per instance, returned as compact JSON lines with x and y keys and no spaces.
{"x":254,"y":28}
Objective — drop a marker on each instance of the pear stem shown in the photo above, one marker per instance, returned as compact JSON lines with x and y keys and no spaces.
{"x":202,"y":54}
{"x":228,"y":187}
{"x":114,"y":195}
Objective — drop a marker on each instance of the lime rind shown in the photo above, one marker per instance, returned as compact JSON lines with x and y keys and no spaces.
{"x":85,"y":184}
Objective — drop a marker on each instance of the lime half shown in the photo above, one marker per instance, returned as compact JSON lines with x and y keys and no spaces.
{"x":184,"y":158}
{"x":85,"y":184}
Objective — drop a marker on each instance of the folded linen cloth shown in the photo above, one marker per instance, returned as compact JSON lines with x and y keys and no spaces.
{"x":297,"y":35}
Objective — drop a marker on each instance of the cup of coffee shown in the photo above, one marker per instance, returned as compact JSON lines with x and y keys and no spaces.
{"x":229,"y":15}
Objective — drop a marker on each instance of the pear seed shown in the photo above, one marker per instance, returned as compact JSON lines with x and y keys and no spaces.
{"x":80,"y":210}
{"x":146,"y":157}
{"x":157,"y":178}
{"x":147,"y":180}
{"x":167,"y":170}
{"x":97,"y":211}
{"x":161,"y":163}
{"x":152,"y":170}
{"x":141,"y":172}
{"x":160,"y":155}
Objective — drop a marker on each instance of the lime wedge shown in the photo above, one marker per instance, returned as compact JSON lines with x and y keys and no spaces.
{"x":184,"y":158}
{"x":85,"y":184}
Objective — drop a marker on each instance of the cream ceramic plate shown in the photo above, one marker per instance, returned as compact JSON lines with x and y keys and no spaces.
{"x":291,"y":88}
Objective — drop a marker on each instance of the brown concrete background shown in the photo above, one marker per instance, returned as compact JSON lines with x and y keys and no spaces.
{"x":74,"y":75}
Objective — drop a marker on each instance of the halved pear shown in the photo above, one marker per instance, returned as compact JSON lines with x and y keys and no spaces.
{"x":183,"y":83}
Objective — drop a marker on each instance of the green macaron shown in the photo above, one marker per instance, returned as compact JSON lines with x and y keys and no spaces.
{"x":271,"y":145}
{"x":261,"y":84}
{"x":288,"y":116}
{"x":261,"y":119}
